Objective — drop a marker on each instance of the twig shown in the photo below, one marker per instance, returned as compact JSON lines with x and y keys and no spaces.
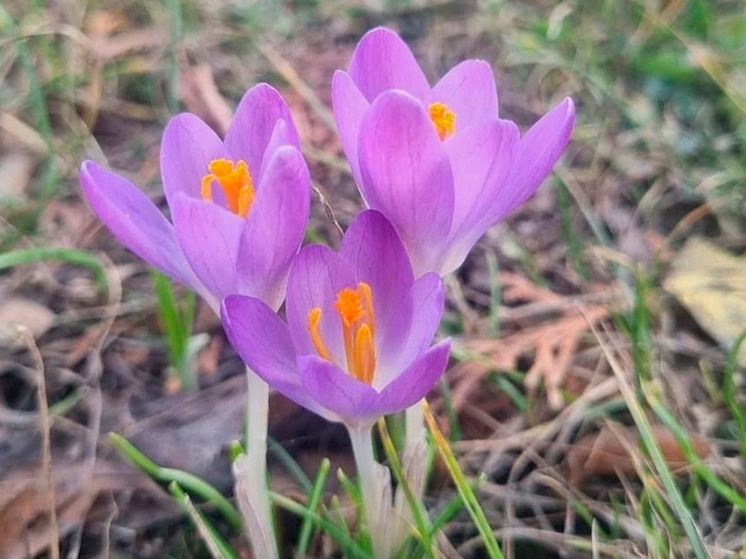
{"x":46,"y":448}
{"x":327,"y":208}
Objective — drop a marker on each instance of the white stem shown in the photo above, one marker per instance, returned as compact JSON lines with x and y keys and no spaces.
{"x":414,"y":432}
{"x":257,"y":413}
{"x":362,"y":448}
{"x":414,"y":424}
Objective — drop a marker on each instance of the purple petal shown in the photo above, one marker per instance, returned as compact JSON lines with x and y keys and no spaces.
{"x":209,"y":236}
{"x":481,"y":158}
{"x":275,"y":227}
{"x":538,"y":152}
{"x":407,"y":175}
{"x":468,"y":89}
{"x":419,"y":313}
{"x":187,"y":148}
{"x":376,"y":255}
{"x":316,"y":276}
{"x":252,"y":126}
{"x":413,"y":384}
{"x":280,"y":137}
{"x":382,"y":61}
{"x":135,"y":221}
{"x":264,"y":344}
{"x":349,"y":107}
{"x":334,"y":389}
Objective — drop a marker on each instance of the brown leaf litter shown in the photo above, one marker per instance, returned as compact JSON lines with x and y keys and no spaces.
{"x":551,"y":343}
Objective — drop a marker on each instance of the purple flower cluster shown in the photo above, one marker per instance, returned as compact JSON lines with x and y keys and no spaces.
{"x":436,"y":166}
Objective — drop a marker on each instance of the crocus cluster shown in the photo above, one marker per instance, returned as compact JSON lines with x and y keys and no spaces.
{"x":436,"y":167}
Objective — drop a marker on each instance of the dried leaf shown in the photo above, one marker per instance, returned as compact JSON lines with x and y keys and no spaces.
{"x":711,"y":283}
{"x":553,"y":343}
{"x":24,"y":503}
{"x":15,"y":168}
{"x":37,"y":318}
{"x":607,"y":453}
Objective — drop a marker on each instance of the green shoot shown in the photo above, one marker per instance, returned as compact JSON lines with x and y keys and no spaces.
{"x":177,"y":328}
{"x":67,"y":255}
{"x":191,"y":483}
{"x":464,"y":488}
{"x":349,"y":547}
{"x":730,"y":394}
{"x":309,"y":522}
{"x":215,"y":543}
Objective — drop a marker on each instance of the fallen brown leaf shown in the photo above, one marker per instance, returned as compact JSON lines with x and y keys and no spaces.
{"x":37,"y":318}
{"x":607,"y":453}
{"x":24,"y":503}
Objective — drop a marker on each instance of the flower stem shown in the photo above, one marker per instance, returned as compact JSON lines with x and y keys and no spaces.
{"x":257,"y":413}
{"x":362,"y":448}
{"x":415,"y":435}
{"x":414,"y":425}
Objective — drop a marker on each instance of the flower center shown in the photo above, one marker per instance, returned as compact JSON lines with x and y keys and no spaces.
{"x":444,"y":120}
{"x":355,"y":309}
{"x":236,"y":182}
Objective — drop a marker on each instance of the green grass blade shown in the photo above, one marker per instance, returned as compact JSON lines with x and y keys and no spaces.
{"x":349,"y":547}
{"x":177,"y":327}
{"x":191,"y":483}
{"x":493,"y":269}
{"x":656,"y":455}
{"x":215,"y":543}
{"x":464,"y":489}
{"x":730,"y":394}
{"x":309,"y":523}
{"x":280,"y":453}
{"x":720,"y":487}
{"x":445,"y":391}
{"x":67,"y":255}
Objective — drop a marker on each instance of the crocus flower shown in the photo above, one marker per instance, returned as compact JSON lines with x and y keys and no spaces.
{"x":239,"y":206}
{"x":355,"y":344}
{"x":437,"y":161}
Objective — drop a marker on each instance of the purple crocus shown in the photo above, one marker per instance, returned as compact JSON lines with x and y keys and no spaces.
{"x":437,"y":161}
{"x":239,"y":206}
{"x":355,"y":344}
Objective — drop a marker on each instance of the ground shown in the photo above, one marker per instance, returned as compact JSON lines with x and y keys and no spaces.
{"x":595,"y":383}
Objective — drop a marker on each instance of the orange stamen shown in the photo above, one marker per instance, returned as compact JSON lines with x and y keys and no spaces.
{"x":355,"y":309}
{"x":444,"y":120}
{"x":314,"y":317}
{"x":350,"y":309}
{"x":236,"y":182}
{"x":365,"y":293}
{"x":365,"y":355}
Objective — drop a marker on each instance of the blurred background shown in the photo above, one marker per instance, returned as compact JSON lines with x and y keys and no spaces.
{"x":596,"y":380}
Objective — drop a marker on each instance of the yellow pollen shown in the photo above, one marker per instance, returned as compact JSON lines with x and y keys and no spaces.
{"x":236,"y":182}
{"x":444,"y":120}
{"x":355,"y":309}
